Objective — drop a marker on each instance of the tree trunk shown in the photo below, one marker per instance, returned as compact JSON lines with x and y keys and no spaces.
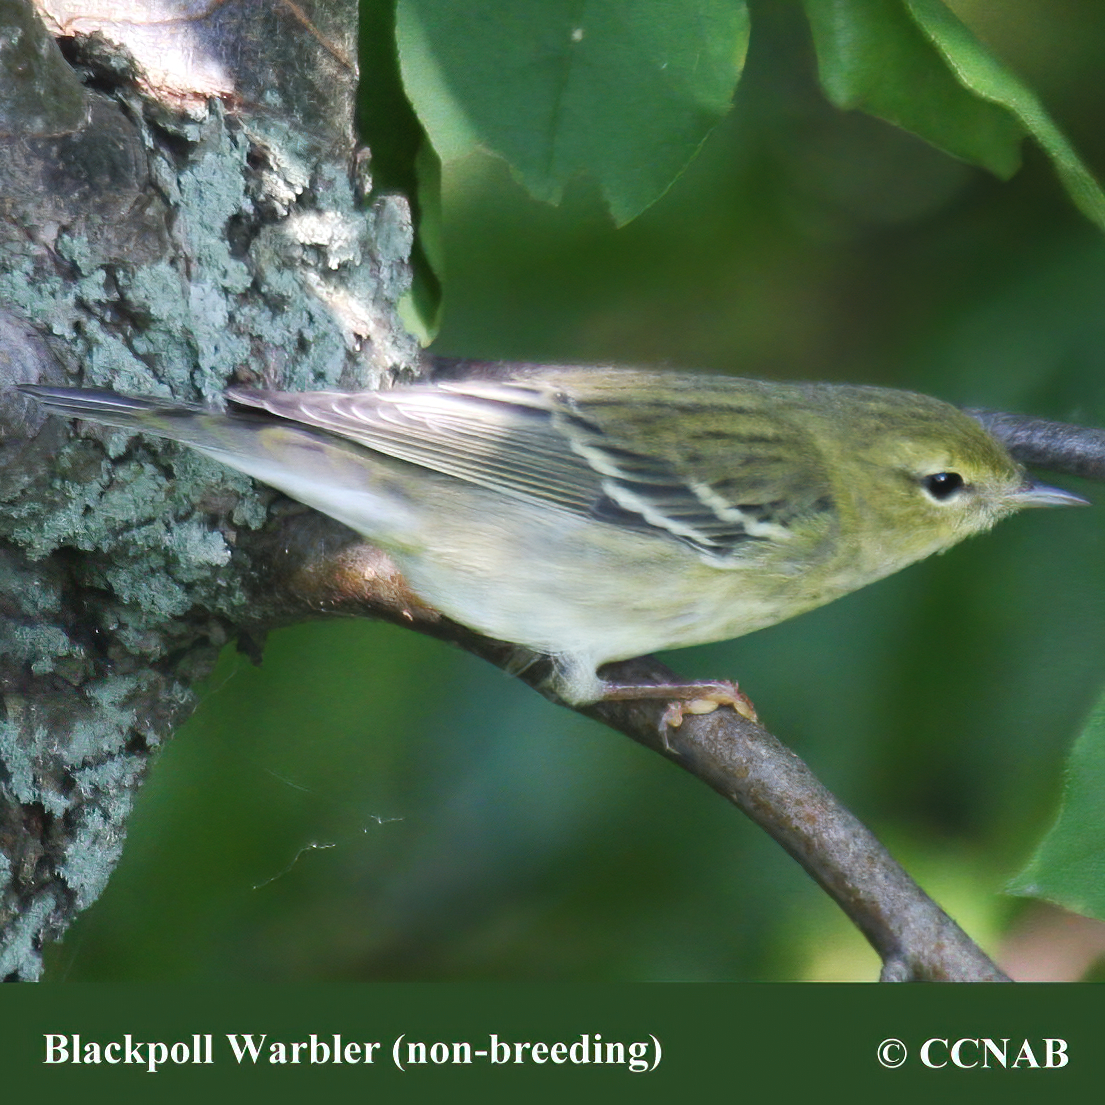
{"x":184,"y":206}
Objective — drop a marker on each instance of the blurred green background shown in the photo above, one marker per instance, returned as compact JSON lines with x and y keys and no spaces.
{"x":372,"y":805}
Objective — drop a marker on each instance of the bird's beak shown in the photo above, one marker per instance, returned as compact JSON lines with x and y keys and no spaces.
{"x":1031,"y":493}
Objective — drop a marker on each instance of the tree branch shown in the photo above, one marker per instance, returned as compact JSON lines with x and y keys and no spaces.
{"x":1056,"y":446}
{"x":328,"y":570}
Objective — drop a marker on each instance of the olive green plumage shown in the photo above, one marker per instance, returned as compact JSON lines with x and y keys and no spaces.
{"x":599,"y":514}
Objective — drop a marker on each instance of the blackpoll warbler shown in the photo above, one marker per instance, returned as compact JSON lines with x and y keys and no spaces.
{"x":600,"y":514}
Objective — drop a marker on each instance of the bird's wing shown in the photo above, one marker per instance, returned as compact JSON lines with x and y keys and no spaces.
{"x":583,"y":445}
{"x":504,"y":442}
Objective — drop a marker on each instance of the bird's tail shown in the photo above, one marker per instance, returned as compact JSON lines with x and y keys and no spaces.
{"x":340,"y":478}
{"x":225,"y":435}
{"x":163,"y":417}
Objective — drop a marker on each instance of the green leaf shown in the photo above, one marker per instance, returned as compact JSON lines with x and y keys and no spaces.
{"x":985,"y":76}
{"x":421,"y":309}
{"x":872,"y":55}
{"x":401,"y":161}
{"x":1069,"y":866}
{"x":624,"y":90}
{"x":915,"y":64}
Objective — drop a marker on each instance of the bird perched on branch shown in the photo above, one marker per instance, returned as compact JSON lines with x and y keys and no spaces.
{"x":598,"y":514}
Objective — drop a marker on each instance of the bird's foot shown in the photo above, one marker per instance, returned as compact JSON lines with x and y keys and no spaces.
{"x":685,"y":698}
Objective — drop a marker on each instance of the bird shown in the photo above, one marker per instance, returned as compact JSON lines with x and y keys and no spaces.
{"x":597,"y":514}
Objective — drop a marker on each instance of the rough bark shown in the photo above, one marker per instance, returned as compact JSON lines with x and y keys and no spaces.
{"x":183,"y":206}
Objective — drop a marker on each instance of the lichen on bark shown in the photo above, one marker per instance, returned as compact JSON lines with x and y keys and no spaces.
{"x":160,"y":239}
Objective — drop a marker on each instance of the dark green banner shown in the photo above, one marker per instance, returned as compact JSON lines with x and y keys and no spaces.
{"x":554,"y":1042}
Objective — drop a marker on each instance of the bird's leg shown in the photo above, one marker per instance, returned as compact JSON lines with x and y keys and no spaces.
{"x":684,"y":698}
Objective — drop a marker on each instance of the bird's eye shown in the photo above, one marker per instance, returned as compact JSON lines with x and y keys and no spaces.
{"x":942,"y":485}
